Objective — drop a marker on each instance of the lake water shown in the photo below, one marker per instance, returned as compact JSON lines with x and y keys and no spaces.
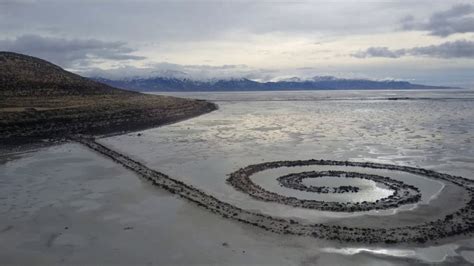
{"x":428,"y":129}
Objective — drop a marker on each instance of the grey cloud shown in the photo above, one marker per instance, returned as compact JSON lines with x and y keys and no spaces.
{"x":169,"y":21}
{"x":164,"y":29}
{"x":409,"y":23}
{"x":379,"y":52}
{"x":455,"y":49}
{"x":458,"y":19}
{"x":69,"y":52}
{"x":457,"y":75}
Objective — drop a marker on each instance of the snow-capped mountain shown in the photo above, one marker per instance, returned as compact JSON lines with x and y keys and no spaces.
{"x":183,"y":83}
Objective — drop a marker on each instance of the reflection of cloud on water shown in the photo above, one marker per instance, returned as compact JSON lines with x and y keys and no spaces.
{"x":434,"y":254}
{"x":389,"y":252}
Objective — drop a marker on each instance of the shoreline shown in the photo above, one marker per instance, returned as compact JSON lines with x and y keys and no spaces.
{"x":214,"y":107}
{"x":99,"y":127}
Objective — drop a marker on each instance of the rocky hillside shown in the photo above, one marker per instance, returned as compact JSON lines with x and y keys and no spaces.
{"x":22,"y":75}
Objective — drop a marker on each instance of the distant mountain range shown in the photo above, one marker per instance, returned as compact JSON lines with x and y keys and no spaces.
{"x":243,"y":84}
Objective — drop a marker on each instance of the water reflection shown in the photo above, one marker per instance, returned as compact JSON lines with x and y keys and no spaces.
{"x":434,"y":254}
{"x":433,"y":129}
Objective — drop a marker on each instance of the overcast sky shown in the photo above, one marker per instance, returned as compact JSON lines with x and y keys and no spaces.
{"x":428,"y":42}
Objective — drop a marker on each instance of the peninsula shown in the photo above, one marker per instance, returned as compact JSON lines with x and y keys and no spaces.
{"x":39,"y":100}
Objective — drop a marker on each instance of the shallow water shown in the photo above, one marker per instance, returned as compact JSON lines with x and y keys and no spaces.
{"x":431,"y":129}
{"x":435,"y":134}
{"x":370,"y":191}
{"x":428,"y":129}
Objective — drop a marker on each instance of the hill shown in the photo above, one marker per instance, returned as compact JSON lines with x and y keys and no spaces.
{"x":22,"y":75}
{"x":315,"y":83}
{"x":39,"y":100}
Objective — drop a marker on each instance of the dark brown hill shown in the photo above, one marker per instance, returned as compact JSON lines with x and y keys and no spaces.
{"x":23,"y":75}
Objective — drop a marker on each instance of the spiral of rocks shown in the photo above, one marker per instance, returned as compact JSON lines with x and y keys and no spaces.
{"x":402,"y":193}
{"x":459,"y":222}
{"x":295,"y":181}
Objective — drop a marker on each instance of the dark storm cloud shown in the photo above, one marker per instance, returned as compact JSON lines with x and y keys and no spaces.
{"x":457,"y":19}
{"x":455,"y":49}
{"x":68,"y":52}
